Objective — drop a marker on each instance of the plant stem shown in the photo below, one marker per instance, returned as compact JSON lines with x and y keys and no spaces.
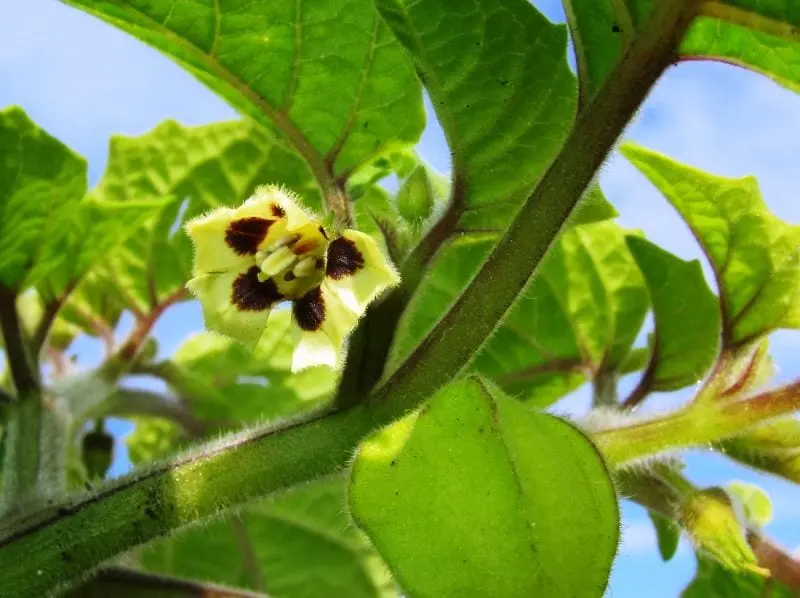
{"x":784,"y":568}
{"x":695,"y":425}
{"x":21,"y":462}
{"x":23,"y":373}
{"x":22,"y":451}
{"x":604,"y":389}
{"x":63,"y":544}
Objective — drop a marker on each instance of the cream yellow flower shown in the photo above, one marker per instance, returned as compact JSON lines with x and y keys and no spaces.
{"x":269,"y":250}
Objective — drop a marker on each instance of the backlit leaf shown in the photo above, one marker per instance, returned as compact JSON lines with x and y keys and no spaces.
{"x":773,"y":447}
{"x":755,"y":255}
{"x":41,"y":183}
{"x":581,"y":313}
{"x":762,"y":35}
{"x":326,"y":77}
{"x":687,"y":317}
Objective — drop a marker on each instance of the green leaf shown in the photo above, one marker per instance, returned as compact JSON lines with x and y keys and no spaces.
{"x":543,"y":509}
{"x":762,"y":35}
{"x":400,"y":162}
{"x":94,"y":307}
{"x":41,"y":185}
{"x":193,"y":169}
{"x":222,"y":380}
{"x":754,"y":501}
{"x":668,"y":533}
{"x":773,"y":447}
{"x":300,"y":545}
{"x":581,"y":313}
{"x":153,"y":438}
{"x":601,"y":30}
{"x":499,"y":82}
{"x":687,"y":317}
{"x":327,"y":77}
{"x":715,"y":581}
{"x":94,"y":229}
{"x":755,"y":255}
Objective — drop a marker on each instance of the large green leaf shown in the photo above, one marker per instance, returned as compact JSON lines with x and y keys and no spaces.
{"x":712,"y":580}
{"x":687,"y":317}
{"x":755,"y":255}
{"x":581,"y":314}
{"x":51,"y":234}
{"x":762,"y":35}
{"x":299,"y":545}
{"x":525,"y":496}
{"x":41,"y":185}
{"x":326,"y":76}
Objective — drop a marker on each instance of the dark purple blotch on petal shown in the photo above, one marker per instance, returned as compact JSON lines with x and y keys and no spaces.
{"x":309,"y":310}
{"x":246,"y":234}
{"x":277,"y":211}
{"x":344,"y":259}
{"x":250,"y":294}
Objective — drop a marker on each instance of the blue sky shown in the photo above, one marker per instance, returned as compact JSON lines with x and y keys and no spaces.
{"x":84,"y":81}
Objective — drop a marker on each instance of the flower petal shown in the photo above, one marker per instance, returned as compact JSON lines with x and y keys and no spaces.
{"x":225,"y":238}
{"x":220,"y":240}
{"x":357,"y":271}
{"x":322,"y":323}
{"x":288,"y":205}
{"x":236,"y":304}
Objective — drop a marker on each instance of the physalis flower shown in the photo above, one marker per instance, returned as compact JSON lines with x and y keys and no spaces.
{"x":269,"y":250}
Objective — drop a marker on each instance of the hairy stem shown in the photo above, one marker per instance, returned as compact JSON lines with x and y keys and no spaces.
{"x":22,"y":437}
{"x":695,"y":425}
{"x":784,"y":568}
{"x":61,"y":545}
{"x":604,"y":389}
{"x":24,"y":374}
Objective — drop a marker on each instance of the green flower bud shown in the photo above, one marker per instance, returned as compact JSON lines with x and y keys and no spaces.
{"x":416,"y":197}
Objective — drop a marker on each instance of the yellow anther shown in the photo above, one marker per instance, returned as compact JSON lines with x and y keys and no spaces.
{"x":305,"y":267}
{"x":278,"y":261}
